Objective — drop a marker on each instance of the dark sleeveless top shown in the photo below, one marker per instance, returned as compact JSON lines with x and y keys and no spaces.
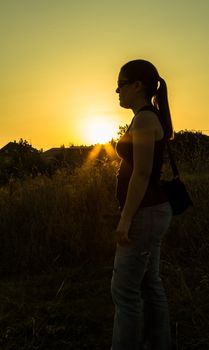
{"x":154,"y":193}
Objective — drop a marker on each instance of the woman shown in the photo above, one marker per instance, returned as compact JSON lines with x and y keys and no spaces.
{"x":141,"y":311}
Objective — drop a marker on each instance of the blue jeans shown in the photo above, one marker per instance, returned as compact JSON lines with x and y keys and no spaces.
{"x":141,"y":309}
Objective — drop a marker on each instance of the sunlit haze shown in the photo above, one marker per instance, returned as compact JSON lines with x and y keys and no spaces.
{"x":60,"y":62}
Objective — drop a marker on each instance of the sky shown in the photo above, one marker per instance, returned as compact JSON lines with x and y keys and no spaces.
{"x":60,"y":61}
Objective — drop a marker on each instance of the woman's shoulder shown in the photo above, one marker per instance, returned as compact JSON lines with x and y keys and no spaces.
{"x":148,"y":120}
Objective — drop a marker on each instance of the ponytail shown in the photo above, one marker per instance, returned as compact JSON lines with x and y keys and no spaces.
{"x":161,"y":102}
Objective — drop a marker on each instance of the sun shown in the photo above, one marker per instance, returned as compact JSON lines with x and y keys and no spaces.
{"x":100,"y":130}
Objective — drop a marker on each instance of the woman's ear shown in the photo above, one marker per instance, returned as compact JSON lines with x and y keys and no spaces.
{"x":139,"y":85}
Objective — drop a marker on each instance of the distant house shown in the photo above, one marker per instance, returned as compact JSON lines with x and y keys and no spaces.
{"x":52,"y":152}
{"x":70,"y":155}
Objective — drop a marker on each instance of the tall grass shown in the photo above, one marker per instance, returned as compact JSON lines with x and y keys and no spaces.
{"x":51,"y":223}
{"x":46,"y":222}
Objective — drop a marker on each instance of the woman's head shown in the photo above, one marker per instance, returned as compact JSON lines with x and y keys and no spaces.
{"x":143,"y":71}
{"x":140,"y":78}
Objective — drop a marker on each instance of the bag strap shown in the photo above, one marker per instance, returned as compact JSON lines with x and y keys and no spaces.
{"x":172,"y":161}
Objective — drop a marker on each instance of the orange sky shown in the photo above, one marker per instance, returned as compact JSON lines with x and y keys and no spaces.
{"x":61,"y":59}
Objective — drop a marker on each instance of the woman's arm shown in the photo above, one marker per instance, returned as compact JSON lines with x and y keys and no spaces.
{"x":143,"y":135}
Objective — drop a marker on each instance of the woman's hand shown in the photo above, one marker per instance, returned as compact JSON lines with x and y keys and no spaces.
{"x":122,"y":232}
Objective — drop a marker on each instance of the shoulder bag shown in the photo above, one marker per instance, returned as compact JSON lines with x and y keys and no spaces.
{"x":175,"y":189}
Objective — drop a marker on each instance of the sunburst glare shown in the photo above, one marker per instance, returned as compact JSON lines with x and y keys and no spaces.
{"x":100,"y":130}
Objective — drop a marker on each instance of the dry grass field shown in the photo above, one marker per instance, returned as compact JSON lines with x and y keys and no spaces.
{"x":57,"y":249}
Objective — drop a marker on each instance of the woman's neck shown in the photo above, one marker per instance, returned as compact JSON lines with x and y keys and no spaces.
{"x":140,"y":102}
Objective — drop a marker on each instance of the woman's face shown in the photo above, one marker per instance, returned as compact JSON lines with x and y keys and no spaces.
{"x":126,"y":90}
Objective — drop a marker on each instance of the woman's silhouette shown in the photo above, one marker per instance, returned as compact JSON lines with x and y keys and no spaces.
{"x":141,"y":310}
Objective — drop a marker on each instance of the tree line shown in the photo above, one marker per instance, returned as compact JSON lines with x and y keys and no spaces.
{"x":20,"y":159}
